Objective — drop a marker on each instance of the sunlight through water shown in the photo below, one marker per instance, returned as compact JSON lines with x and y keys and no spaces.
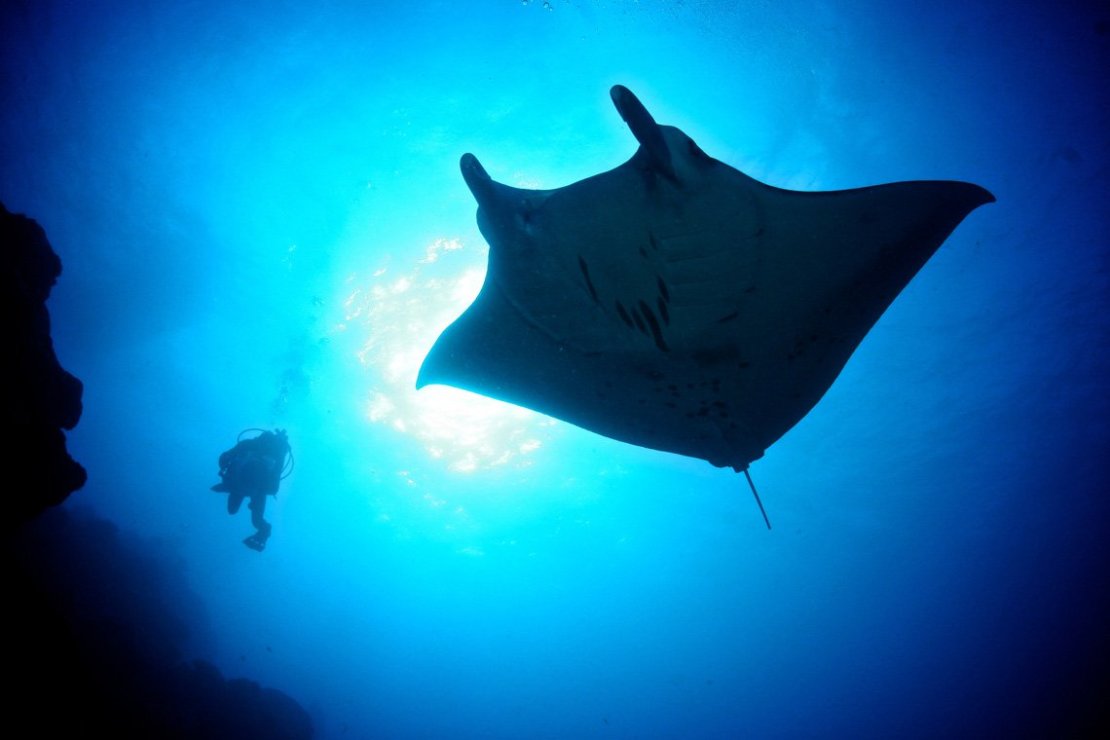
{"x":397,"y":316}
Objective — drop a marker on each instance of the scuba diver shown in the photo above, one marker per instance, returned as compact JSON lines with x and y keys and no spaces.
{"x":253,"y":469}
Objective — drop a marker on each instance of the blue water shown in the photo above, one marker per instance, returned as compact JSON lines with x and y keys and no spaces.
{"x":262,"y":224}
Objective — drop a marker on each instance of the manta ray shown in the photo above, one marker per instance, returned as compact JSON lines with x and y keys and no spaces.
{"x":678,"y":304}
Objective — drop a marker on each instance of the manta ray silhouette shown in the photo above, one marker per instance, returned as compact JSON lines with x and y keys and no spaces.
{"x":678,"y":304}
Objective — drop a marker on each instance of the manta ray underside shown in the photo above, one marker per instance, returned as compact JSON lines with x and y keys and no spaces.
{"x":678,"y":304}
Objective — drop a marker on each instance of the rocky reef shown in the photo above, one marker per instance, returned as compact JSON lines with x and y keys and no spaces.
{"x":42,"y":399}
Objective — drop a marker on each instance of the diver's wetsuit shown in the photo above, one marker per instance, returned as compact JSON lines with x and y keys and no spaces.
{"x":252,"y":469}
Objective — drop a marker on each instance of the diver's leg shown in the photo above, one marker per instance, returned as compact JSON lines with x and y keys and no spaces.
{"x":258,"y":509}
{"x":234,"y":501}
{"x":257,"y":541}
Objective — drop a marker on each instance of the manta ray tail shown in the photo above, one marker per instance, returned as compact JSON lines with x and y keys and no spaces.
{"x":756,"y":494}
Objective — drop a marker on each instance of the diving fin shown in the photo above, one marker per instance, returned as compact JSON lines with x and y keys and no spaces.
{"x":255,"y":543}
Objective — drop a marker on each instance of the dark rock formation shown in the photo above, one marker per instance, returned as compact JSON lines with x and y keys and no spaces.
{"x":95,"y":621}
{"x":42,"y":398}
{"x":95,"y":629}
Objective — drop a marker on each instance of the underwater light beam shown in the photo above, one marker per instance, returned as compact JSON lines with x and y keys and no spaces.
{"x":397,"y":318}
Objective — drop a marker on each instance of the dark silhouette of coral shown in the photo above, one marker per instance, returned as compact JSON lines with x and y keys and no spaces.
{"x":95,"y":621}
{"x":95,"y":646}
{"x":42,"y":398}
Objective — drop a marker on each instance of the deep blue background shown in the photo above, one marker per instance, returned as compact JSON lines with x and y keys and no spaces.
{"x":262,"y":223}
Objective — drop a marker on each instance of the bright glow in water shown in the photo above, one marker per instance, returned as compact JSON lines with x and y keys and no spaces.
{"x":400,"y":314}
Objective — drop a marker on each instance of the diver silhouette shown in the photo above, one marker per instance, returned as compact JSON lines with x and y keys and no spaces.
{"x":254,"y":468}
